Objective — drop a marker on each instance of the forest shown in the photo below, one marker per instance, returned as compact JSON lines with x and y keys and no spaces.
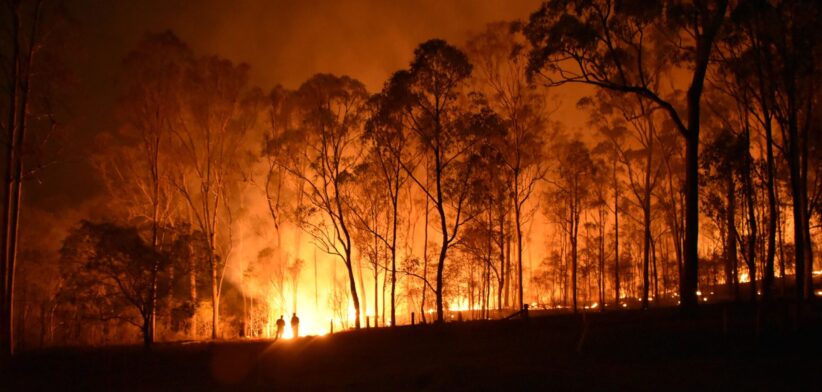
{"x":590,"y":156}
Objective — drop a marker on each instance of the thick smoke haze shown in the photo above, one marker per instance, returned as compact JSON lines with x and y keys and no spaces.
{"x":410,"y":194}
{"x":284,"y":42}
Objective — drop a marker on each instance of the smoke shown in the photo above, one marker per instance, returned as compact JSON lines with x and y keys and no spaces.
{"x":287,"y":42}
{"x":284,"y":42}
{"x":276,"y":270}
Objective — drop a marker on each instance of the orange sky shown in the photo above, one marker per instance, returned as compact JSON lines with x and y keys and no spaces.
{"x":284,"y":41}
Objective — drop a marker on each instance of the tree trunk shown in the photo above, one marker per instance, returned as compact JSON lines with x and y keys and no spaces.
{"x":799,"y":207}
{"x":376,"y":278}
{"x":601,"y":258}
{"x":616,"y":235}
{"x":780,"y":231}
{"x":518,"y":224}
{"x":13,"y":224}
{"x":656,"y":275}
{"x":155,"y":268}
{"x":690,"y":272}
{"x":215,"y":300}
{"x":394,"y":258}
{"x":730,"y":245}
{"x":440,"y":269}
{"x":646,"y":251}
{"x":806,"y":212}
{"x":376,"y":294}
{"x":352,"y":285}
{"x":507,"y":239}
{"x":712,"y":21}
{"x":363,"y":291}
{"x":10,"y":156}
{"x":502,"y":269}
{"x":424,"y":263}
{"x":146,"y":329}
{"x":574,"y":221}
{"x":752,"y":232}
{"x":646,"y":211}
{"x":445,"y":240}
{"x":192,"y":281}
{"x":767,"y":282}
{"x":507,"y":275}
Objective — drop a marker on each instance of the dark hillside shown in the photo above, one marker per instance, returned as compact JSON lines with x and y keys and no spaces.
{"x":659,"y":349}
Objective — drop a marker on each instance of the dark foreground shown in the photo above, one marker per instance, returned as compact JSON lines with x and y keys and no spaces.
{"x":717,"y":349}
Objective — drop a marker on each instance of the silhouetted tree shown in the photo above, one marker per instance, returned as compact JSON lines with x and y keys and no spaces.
{"x":428,"y":95}
{"x":610,"y":149}
{"x":637,"y":118}
{"x":389,"y":147}
{"x":746,"y":76}
{"x":721,"y":163}
{"x":484,"y":240}
{"x":616,"y":46}
{"x":778,"y":59}
{"x":32,"y":66}
{"x":218,"y":109}
{"x":500,"y":58}
{"x":116,"y":273}
{"x":371,"y":216}
{"x":570,"y":194}
{"x":281,"y":125}
{"x":137,"y":173}
{"x":332,"y":110}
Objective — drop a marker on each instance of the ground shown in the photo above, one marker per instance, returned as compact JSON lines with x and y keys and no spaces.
{"x":718,"y":348}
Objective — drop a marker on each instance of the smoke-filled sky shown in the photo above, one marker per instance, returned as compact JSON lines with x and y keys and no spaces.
{"x":284,"y":41}
{"x":288,"y":41}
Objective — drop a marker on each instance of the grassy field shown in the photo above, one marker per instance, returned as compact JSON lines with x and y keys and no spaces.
{"x":721,"y":347}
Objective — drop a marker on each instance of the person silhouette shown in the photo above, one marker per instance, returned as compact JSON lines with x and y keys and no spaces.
{"x":295,"y":325}
{"x":280,"y":327}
